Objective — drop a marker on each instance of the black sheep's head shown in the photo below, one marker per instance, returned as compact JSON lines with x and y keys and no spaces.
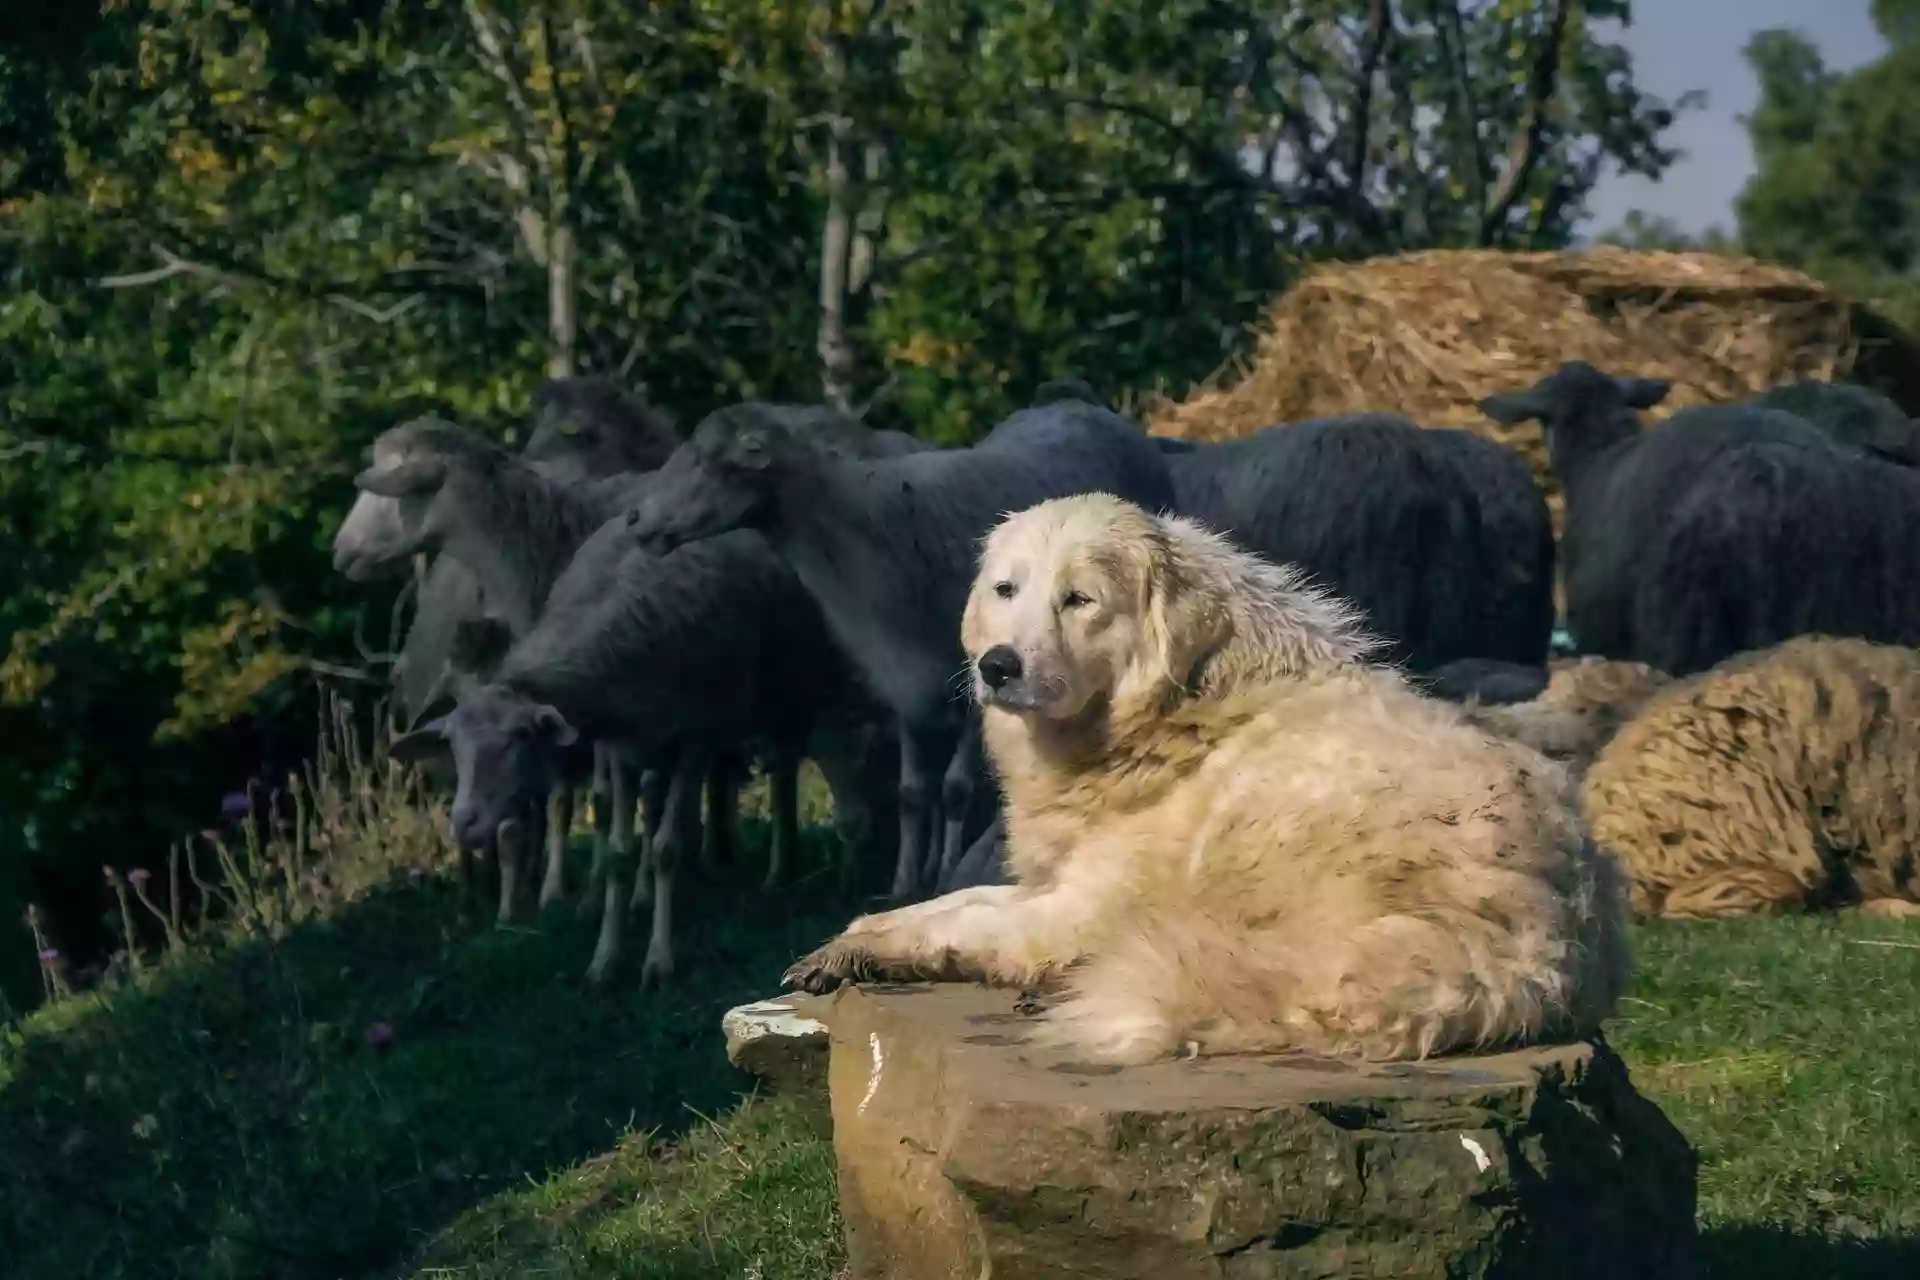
{"x":592,"y":426}
{"x":723,"y":478}
{"x":1577,"y":401}
{"x":504,"y":749}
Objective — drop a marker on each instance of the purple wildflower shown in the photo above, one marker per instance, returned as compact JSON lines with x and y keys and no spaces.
{"x":49,"y":955}
{"x":234,"y":803}
{"x":139,"y":875}
{"x":379,"y":1035}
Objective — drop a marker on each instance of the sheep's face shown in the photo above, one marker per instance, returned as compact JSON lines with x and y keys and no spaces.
{"x":372,"y":540}
{"x":395,"y":513}
{"x":568,"y":447}
{"x":571,"y":443}
{"x":711,"y":484}
{"x":1055,"y":619}
{"x":503,"y":749}
{"x":590,"y":426}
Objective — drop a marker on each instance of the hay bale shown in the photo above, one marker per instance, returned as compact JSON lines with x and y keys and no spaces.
{"x":1430,"y":334}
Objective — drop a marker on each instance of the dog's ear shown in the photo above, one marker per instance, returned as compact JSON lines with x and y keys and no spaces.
{"x":1181,"y":622}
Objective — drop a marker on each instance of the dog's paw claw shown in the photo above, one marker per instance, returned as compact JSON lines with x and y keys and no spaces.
{"x":822,"y":971}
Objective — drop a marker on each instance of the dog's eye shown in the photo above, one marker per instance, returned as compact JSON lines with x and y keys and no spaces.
{"x":1074,"y":599}
{"x":1004,"y":590}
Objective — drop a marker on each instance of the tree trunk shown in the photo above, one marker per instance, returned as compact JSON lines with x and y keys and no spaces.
{"x":836,"y":243}
{"x":562,"y":290}
{"x":562,"y":302}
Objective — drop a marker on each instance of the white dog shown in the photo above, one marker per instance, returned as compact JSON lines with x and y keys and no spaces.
{"x":1230,"y":832}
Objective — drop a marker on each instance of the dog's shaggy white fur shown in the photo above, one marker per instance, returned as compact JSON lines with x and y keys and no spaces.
{"x":1230,"y":833}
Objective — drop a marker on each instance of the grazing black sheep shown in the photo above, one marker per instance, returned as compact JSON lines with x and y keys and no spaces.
{"x":518,"y":531}
{"x":584,"y":427}
{"x":888,"y":548}
{"x":712,"y":644}
{"x":1720,"y":529}
{"x":1440,"y":536}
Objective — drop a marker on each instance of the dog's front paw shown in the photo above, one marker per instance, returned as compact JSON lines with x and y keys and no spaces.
{"x":822,"y":970}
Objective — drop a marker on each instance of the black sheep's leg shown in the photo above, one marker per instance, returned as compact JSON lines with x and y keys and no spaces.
{"x":590,"y":901}
{"x":654,"y":781}
{"x":619,"y":865}
{"x":919,"y":749}
{"x":559,"y":827}
{"x":677,"y":825}
{"x":783,"y":778}
{"x":957,"y":790}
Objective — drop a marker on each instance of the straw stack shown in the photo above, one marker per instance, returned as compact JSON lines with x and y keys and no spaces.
{"x":1430,"y":334}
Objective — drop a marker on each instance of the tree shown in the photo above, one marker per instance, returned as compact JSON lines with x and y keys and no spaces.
{"x":1836,"y":182}
{"x":1115,"y":189}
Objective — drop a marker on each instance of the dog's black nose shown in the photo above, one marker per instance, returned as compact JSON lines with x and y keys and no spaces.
{"x":999,"y":665}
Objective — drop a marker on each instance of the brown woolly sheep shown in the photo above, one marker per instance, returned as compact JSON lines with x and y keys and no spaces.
{"x":1780,"y":780}
{"x":1585,"y":702}
{"x":1229,"y":832}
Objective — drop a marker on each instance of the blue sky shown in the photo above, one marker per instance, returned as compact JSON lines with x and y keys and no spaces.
{"x":1686,"y":44}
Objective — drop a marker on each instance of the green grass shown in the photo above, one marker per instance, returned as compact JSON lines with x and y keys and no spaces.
{"x":1788,"y":1051}
{"x":225,"y":1116}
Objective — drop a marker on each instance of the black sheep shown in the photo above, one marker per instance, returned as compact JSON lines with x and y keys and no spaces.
{"x":1440,"y":536}
{"x":1722,"y":528}
{"x":687,"y":654}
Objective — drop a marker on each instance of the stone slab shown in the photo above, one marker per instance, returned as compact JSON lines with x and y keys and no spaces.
{"x":776,"y":1041}
{"x":966,"y":1151}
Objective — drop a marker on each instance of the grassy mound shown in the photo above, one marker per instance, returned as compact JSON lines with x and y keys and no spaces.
{"x":364,"y":1082}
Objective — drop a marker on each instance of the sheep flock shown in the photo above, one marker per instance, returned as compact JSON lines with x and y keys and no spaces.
{"x":1256,"y":723}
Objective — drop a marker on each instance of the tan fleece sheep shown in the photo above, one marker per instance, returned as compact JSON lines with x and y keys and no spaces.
{"x":1585,"y":702}
{"x":1780,"y":780}
{"x":1229,"y":832}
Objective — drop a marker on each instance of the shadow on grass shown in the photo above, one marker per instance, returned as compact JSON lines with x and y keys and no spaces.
{"x":1764,"y":1253}
{"x":230,"y":1117}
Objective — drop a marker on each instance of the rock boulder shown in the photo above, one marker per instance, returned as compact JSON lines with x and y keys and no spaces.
{"x":779,"y":1043}
{"x":965,"y":1151}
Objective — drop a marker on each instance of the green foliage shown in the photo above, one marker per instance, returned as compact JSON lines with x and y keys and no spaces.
{"x":1836,"y":187}
{"x":237,"y":241}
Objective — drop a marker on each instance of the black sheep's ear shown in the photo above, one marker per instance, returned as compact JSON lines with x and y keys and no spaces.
{"x":1644,"y":393}
{"x":443,"y":695}
{"x":426,"y":745}
{"x":550,"y":719}
{"x":1510,"y":408}
{"x":419,"y":475}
